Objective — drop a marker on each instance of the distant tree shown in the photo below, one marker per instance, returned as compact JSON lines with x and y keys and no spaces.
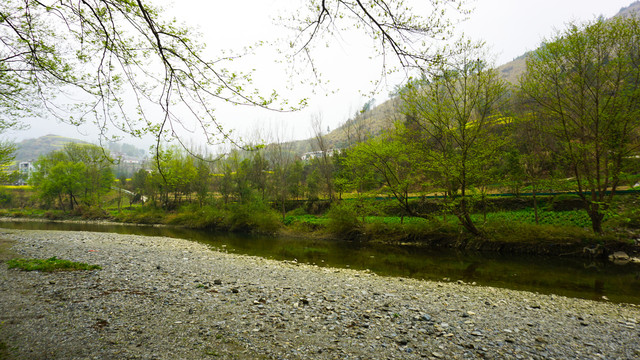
{"x":122,"y":184}
{"x":295,"y":179}
{"x":7,"y":155}
{"x":175,"y":173}
{"x":224,"y":181}
{"x":388,"y":158}
{"x":368,"y":106}
{"x":281,"y":159}
{"x":140,"y":185}
{"x":258,"y":172}
{"x":99,"y":171}
{"x":78,"y":174}
{"x":313,"y":184}
{"x":202,"y":182}
{"x":241,"y":179}
{"x":343,"y":180}
{"x":533,"y":149}
{"x":323,"y":162}
{"x":586,"y":83}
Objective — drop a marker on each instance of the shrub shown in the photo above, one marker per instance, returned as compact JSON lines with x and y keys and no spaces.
{"x":297,"y":212}
{"x":92,"y":213}
{"x":252,"y":216}
{"x":143,"y":215}
{"x":6,"y":198}
{"x":305,"y":222}
{"x":53,"y":215}
{"x":342,"y":220}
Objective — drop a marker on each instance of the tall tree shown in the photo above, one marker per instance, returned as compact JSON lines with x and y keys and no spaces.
{"x":281,"y":158}
{"x":324,"y":159}
{"x":586,"y":82}
{"x":453,"y":123}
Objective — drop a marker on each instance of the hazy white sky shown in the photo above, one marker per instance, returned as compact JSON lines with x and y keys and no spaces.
{"x":509,"y":27}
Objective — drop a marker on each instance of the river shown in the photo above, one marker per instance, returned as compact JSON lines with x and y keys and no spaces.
{"x":572,"y":277}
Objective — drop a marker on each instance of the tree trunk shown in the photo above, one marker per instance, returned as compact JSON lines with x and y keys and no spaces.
{"x":465,"y":218}
{"x":535,"y":204}
{"x":596,"y":217}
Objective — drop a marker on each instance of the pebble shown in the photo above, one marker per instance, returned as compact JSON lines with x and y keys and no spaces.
{"x":145,"y":304}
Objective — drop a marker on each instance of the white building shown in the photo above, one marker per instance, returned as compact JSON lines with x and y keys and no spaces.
{"x":25,"y":169}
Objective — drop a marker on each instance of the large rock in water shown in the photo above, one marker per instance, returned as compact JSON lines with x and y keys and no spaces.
{"x":619,"y":257}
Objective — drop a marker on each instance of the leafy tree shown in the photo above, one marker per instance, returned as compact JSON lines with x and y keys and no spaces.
{"x":281,"y":158}
{"x":140,"y":185}
{"x":258,"y":172}
{"x":175,"y":172}
{"x":63,"y":179}
{"x":533,"y":150}
{"x":586,"y":84}
{"x":99,"y":174}
{"x":122,"y":184}
{"x":78,"y":174}
{"x":202,"y":181}
{"x":323,"y":162}
{"x":343,"y":179}
{"x":388,"y":158}
{"x":295,"y":179}
{"x":241,"y":179}
{"x":452,"y":124}
{"x":7,"y":155}
{"x":225,"y":181}
{"x":313,"y":184}
{"x":103,"y":49}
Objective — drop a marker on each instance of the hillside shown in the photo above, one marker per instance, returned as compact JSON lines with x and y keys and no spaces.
{"x":372,"y":122}
{"x":31,"y":149}
{"x":358,"y":128}
{"x":512,"y":70}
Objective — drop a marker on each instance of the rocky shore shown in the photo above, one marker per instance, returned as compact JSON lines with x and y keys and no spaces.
{"x":163,"y":298}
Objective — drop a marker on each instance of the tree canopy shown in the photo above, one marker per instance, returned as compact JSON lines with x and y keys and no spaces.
{"x":122,"y":65}
{"x":586,"y":84}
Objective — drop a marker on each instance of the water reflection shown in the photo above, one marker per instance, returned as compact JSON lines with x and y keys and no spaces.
{"x":574,"y":277}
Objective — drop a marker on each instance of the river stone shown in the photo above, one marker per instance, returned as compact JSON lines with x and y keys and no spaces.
{"x":61,"y":320}
{"x":619,"y":256}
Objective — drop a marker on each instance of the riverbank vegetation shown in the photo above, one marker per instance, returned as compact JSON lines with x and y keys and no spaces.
{"x":470,"y":160}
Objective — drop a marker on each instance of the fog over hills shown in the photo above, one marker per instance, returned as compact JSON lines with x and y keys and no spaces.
{"x":32,"y":149}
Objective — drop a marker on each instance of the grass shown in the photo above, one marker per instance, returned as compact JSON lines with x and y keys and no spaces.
{"x":577,"y":218}
{"x":49,"y":265}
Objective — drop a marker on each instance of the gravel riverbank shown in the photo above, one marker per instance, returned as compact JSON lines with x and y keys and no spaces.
{"x":163,"y":298}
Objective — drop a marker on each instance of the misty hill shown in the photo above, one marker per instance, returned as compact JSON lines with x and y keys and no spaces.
{"x":371,"y":123}
{"x":31,"y":149}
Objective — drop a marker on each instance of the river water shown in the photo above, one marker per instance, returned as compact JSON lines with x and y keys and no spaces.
{"x":573,"y":277}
